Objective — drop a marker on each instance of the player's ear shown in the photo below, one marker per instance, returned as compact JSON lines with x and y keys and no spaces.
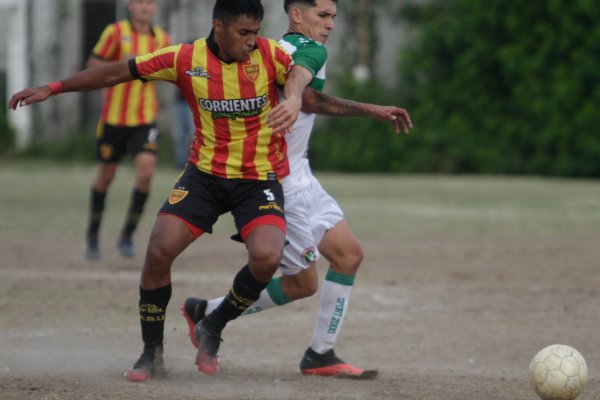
{"x":295,"y":14}
{"x":218,"y":25}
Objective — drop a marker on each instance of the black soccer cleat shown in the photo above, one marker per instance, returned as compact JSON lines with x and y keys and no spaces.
{"x":149,"y":365}
{"x":92,"y":250}
{"x":194,"y":311}
{"x":125,"y":246}
{"x":327,"y":364}
{"x":207,"y":359}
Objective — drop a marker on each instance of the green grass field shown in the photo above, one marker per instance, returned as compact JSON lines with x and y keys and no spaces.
{"x":43,"y":198}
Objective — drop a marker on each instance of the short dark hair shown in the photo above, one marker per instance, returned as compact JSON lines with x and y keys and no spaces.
{"x":288,"y":3}
{"x":229,"y":10}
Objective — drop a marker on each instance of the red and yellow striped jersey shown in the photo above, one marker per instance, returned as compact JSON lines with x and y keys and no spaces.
{"x":130,"y":103}
{"x":230,"y":102}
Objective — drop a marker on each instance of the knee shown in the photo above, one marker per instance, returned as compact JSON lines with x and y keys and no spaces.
{"x":157,"y":258}
{"x":102,"y":183}
{"x":264,"y":261}
{"x":349,"y":260}
{"x":143,"y":182}
{"x":306,"y":288}
{"x":309,"y":288}
{"x":356,"y":257}
{"x":301,"y":285}
{"x":157,"y":268}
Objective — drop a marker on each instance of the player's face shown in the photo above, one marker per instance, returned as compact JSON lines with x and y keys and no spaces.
{"x":237,"y":38}
{"x":142,"y":10}
{"x":318,"y":20}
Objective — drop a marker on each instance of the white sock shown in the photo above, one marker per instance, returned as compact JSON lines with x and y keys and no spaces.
{"x":212,"y":304}
{"x":335,"y":294}
{"x":264,"y":302}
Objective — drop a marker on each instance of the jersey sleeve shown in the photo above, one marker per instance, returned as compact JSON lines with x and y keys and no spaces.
{"x":157,"y":66}
{"x":283,"y":64}
{"x":312,"y":57}
{"x":108,"y":44}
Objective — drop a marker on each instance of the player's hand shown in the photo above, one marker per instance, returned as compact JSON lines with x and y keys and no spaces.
{"x":29,"y":96}
{"x":283,"y":116}
{"x":397,"y":116}
{"x":402,"y":121}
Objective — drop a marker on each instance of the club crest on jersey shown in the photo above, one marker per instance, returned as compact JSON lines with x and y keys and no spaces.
{"x":252,"y":71}
{"x":177,"y":195}
{"x":197,"y":72}
{"x":308,"y":255}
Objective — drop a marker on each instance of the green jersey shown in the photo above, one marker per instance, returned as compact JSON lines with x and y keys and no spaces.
{"x":311,"y":55}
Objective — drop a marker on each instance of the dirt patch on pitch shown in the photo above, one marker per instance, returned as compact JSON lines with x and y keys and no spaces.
{"x":440,"y":317}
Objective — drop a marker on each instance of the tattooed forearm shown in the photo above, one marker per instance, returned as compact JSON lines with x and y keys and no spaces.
{"x":324,"y":104}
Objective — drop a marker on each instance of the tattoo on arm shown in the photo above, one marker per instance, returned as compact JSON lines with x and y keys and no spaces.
{"x":325,"y":104}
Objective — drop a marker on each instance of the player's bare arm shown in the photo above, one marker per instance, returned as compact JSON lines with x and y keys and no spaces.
{"x":283,"y":116}
{"x":104,"y":75}
{"x":94,"y":61}
{"x":320,"y":103}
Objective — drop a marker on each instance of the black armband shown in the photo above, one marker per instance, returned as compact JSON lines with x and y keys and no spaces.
{"x":134,"y":71}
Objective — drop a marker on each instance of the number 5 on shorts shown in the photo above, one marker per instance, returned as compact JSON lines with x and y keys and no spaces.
{"x":270,"y":196}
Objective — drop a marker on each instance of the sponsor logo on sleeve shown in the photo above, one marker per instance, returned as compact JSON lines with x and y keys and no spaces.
{"x":197,"y":72}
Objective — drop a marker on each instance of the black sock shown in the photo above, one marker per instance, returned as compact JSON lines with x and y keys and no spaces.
{"x":136,"y":207}
{"x":245,"y":291}
{"x":96,"y":210}
{"x":153,"y":308}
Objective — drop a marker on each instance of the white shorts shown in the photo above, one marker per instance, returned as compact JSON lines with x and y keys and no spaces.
{"x":309,"y":213}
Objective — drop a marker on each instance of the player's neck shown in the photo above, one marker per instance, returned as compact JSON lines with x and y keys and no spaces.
{"x":300,"y":30}
{"x":140,"y":26}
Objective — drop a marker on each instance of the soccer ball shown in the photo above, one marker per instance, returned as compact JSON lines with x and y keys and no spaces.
{"x":558,"y":372}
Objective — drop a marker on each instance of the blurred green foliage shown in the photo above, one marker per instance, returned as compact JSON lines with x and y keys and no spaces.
{"x":357,"y":144}
{"x":496,"y":87}
{"x":506,"y":86}
{"x":82,"y":147}
{"x":501,"y":86}
{"x":74,"y":147}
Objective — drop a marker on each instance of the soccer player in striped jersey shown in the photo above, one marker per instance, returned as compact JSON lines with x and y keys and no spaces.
{"x":315,"y":222}
{"x":127,"y":121}
{"x":231,"y":81}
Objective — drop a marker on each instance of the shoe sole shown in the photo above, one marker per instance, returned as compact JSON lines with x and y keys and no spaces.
{"x":206,"y":363}
{"x":344,"y":371}
{"x":138,"y":375}
{"x":191,"y":327}
{"x":92,"y":255}
{"x":125,"y":253}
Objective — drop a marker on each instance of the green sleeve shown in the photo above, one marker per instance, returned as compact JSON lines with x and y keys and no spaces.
{"x":312,"y":57}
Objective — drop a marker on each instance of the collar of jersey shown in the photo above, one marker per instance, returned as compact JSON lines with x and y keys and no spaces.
{"x":292,"y":33}
{"x":214,"y":47}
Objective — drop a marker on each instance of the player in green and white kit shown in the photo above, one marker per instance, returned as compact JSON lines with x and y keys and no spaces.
{"x":315,"y":222}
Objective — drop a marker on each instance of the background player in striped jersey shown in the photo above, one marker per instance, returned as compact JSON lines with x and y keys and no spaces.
{"x":127,"y":122}
{"x":237,"y":160}
{"x":315,"y":221}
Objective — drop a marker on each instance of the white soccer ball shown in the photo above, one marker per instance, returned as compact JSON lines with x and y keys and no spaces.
{"x":558,"y":372}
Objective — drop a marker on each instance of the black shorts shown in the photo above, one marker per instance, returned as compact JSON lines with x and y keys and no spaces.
{"x":200,"y":198}
{"x":113,"y":142}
